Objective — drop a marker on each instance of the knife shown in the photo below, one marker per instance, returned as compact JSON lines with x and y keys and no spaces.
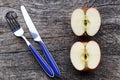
{"x":38,"y":39}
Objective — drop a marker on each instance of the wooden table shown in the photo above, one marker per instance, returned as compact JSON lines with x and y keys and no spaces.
{"x":52,"y":20}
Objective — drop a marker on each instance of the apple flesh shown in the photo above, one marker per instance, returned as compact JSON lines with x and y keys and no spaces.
{"x":85,"y":56}
{"x":86,"y":20}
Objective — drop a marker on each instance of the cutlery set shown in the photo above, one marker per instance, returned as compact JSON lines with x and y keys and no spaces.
{"x":49,"y":66}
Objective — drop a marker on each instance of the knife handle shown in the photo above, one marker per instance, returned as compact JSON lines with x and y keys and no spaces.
{"x":41,"y":61}
{"x":50,"y":59}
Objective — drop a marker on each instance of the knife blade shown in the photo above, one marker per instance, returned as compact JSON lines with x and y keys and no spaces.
{"x":38,"y":39}
{"x":30,"y":25}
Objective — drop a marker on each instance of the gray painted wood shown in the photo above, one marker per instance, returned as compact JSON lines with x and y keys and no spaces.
{"x":52,"y":19}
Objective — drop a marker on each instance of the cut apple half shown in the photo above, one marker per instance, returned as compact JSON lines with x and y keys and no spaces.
{"x":85,"y":20}
{"x":85,"y":56}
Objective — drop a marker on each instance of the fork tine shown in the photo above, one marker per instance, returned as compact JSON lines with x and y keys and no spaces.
{"x":15,"y":22}
{"x":10,"y":24}
{"x":11,"y":20}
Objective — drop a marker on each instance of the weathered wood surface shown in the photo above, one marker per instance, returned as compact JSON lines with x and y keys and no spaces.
{"x":52,"y":19}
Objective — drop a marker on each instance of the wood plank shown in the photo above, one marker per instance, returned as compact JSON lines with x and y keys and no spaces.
{"x":52,"y":20}
{"x":23,"y":66}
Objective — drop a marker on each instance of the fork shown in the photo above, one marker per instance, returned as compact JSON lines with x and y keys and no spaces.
{"x":11,"y":17}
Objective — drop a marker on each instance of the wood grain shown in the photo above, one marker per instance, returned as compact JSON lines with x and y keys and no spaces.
{"x":52,"y":20}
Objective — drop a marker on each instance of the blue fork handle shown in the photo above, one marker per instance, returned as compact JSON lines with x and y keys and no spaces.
{"x":41,"y":61}
{"x":50,"y":59}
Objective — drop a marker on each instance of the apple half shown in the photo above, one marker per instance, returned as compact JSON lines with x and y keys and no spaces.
{"x":85,"y":56}
{"x":86,"y":20}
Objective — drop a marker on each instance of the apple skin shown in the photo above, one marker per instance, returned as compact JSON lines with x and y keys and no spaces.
{"x":85,"y":11}
{"x":86,"y":68}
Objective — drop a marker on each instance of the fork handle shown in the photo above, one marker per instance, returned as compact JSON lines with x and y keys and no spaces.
{"x":50,"y":59}
{"x":41,"y":61}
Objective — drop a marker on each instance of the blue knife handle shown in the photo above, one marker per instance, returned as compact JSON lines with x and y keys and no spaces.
{"x":50,"y":59}
{"x":41,"y":61}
